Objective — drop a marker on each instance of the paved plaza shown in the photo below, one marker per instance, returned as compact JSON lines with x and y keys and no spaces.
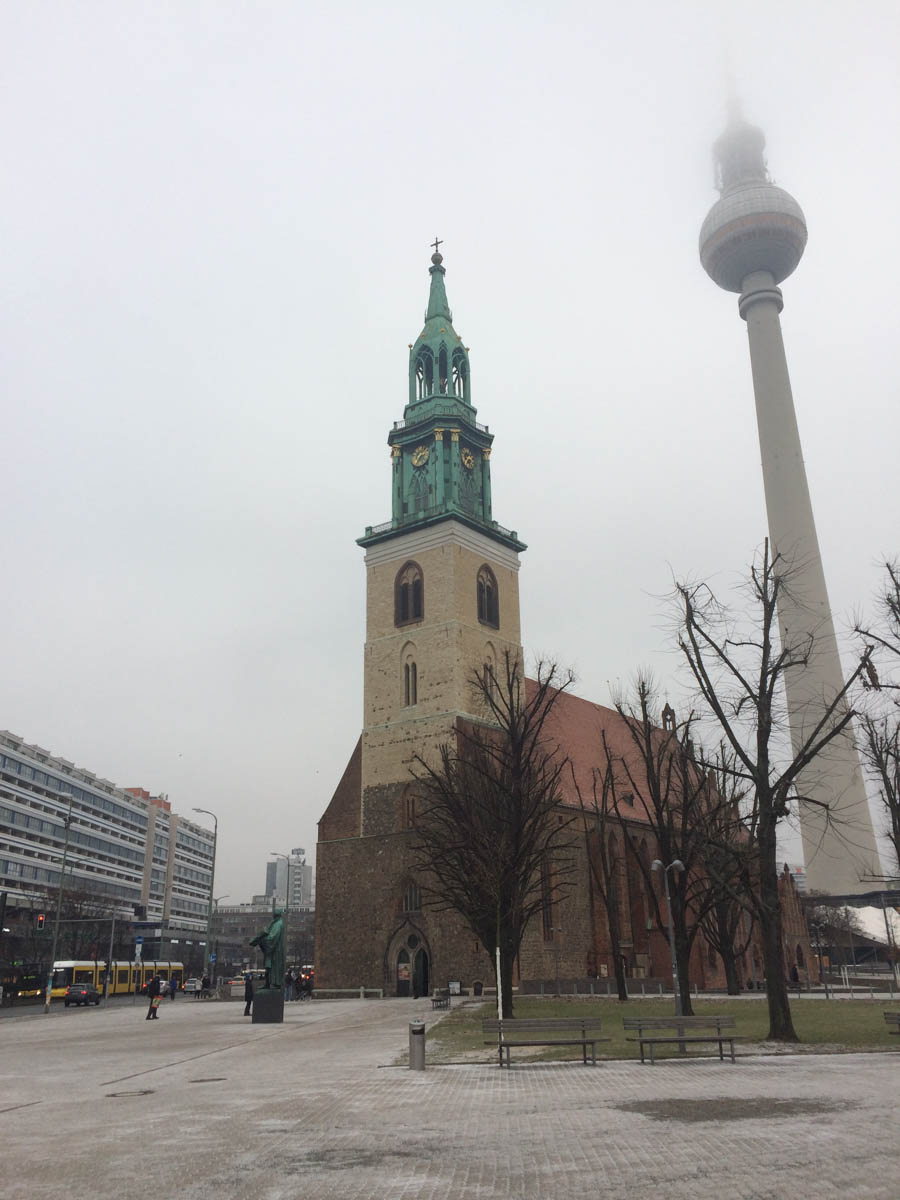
{"x":100,"y":1103}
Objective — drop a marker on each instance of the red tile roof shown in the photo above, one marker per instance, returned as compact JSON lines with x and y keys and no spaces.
{"x":577,"y":726}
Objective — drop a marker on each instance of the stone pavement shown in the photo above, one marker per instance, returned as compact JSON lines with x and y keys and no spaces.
{"x":99,"y":1103}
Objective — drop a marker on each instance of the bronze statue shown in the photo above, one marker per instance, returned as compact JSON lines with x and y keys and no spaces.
{"x":271,"y":942}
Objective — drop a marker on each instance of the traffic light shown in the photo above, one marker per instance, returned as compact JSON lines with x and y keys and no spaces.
{"x":40,"y":921}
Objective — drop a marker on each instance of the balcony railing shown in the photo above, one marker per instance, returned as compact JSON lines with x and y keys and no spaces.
{"x":426,"y":514}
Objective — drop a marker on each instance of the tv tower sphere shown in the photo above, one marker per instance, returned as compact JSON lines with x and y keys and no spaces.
{"x":755,"y":226}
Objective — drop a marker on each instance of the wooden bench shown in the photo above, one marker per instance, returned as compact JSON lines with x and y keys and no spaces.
{"x":441,"y":998}
{"x":512,"y":1033}
{"x":893,"y":1018}
{"x":654,"y":1031}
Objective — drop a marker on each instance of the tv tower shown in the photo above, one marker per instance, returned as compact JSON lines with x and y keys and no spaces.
{"x":751,"y":240}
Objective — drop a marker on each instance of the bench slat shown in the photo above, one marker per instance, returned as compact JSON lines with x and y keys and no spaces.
{"x":539,"y":1024}
{"x":678,"y":1022}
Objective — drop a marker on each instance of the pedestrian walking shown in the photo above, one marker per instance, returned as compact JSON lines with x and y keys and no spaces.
{"x":289,"y":985}
{"x":153,"y":991}
{"x":173,"y":988}
{"x":248,"y":994}
{"x":205,"y":987}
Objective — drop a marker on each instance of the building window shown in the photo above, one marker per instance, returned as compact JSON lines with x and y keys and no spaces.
{"x":410,"y":685}
{"x":488,"y":599}
{"x":412,"y":899}
{"x":424,"y":371}
{"x":460,"y":375}
{"x":409,"y":801}
{"x":409,"y":594}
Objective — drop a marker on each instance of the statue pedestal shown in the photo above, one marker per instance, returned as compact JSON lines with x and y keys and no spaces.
{"x":268,"y":1006}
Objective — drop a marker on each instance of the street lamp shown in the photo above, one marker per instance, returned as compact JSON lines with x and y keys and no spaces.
{"x":677,"y":865}
{"x":212,"y":877}
{"x":818,"y":929}
{"x":67,"y":821}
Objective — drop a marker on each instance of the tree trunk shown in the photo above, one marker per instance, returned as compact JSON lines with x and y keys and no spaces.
{"x":683,"y":957}
{"x":726,"y":949}
{"x":781,"y":1026}
{"x":615,"y":945}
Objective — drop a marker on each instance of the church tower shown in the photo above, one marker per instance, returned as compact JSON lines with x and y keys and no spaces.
{"x":442,"y":600}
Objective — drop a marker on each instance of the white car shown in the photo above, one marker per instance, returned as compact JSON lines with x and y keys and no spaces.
{"x":191,"y":986}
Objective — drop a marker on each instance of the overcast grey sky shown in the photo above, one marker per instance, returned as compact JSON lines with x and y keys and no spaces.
{"x":215,"y":227}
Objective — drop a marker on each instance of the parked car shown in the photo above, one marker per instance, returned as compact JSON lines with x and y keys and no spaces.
{"x":191,"y":986}
{"x":81,"y":993}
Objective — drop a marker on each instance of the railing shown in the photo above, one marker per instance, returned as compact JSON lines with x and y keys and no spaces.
{"x":425,"y":514}
{"x":443,"y":410}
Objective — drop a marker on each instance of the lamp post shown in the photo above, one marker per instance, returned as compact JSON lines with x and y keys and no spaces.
{"x":677,"y":865}
{"x":212,"y":878}
{"x":67,"y":821}
{"x":818,"y":929}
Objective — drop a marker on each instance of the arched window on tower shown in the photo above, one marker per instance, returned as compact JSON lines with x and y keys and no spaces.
{"x":409,"y":594}
{"x":424,"y":373}
{"x":460,"y":374}
{"x":410,"y":684}
{"x":488,"y":598}
{"x":412,"y":898}
{"x":442,"y":370}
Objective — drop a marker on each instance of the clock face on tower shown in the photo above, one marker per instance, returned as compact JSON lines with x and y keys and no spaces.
{"x":468,"y":458}
{"x":419,"y":456}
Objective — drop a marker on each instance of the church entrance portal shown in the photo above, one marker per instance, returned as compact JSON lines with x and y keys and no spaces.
{"x":413,"y":968}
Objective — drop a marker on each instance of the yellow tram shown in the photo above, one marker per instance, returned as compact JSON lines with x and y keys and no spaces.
{"x":124,"y":977}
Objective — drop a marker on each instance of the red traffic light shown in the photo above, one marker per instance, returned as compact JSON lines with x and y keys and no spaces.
{"x":40,"y":923}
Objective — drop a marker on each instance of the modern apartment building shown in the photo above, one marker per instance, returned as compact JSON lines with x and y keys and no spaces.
{"x":290,"y":880}
{"x":126,"y":848}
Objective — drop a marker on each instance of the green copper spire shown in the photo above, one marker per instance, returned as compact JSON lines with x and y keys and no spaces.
{"x":437,"y":297}
{"x":441,"y":456}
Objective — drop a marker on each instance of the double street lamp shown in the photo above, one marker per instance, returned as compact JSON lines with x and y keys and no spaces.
{"x":677,"y":865}
{"x":212,"y":877}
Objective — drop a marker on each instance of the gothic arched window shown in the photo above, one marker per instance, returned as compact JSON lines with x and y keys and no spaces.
{"x":412,"y":899}
{"x":409,"y":594}
{"x":488,"y":598}
{"x":410,"y":684}
{"x":460,"y":375}
{"x":442,"y":370}
{"x":424,"y":373}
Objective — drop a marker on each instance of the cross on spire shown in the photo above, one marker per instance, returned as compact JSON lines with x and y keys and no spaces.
{"x":437,"y":243}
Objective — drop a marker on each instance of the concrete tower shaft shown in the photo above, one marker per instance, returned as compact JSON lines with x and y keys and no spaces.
{"x":752,"y":239}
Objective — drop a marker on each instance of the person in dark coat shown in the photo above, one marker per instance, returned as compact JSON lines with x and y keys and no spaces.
{"x":153,"y":991}
{"x":173,"y":988}
{"x":248,"y":994}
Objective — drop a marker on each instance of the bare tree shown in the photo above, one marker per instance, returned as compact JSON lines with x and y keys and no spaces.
{"x":881,"y":723}
{"x":739,"y":668}
{"x":881,"y":757}
{"x":666,"y":781}
{"x":489,"y":842}
{"x":727,"y":854}
{"x":600,"y":827}
{"x":885,"y":634}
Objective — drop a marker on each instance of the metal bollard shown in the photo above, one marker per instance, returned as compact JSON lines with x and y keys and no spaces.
{"x":417,"y":1045}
